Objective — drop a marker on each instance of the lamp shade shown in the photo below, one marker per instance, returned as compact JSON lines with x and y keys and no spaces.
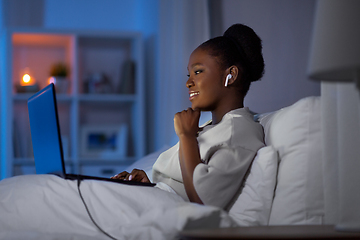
{"x":335,"y":47}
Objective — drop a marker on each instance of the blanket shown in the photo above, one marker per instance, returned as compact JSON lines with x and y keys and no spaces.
{"x":49,"y":207}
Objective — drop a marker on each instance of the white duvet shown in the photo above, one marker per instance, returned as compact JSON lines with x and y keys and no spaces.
{"x":49,"y":207}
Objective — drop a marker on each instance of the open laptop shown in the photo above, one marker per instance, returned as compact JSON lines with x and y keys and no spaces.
{"x":46,"y":138}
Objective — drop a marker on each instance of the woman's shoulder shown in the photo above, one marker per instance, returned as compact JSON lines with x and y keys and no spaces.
{"x":243,"y":130}
{"x":238,"y":119}
{"x":236,"y":129}
{"x":240,"y":112}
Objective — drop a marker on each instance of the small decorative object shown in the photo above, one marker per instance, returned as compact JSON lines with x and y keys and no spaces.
{"x":27,"y":82}
{"x":108,"y":142}
{"x":97,"y":83}
{"x":58,"y":76}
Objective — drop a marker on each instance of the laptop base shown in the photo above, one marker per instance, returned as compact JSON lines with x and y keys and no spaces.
{"x":84,"y":177}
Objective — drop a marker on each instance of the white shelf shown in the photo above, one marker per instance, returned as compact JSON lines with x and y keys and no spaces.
{"x":23,"y":97}
{"x":86,"y":53}
{"x":19,"y":97}
{"x":107,"y":98}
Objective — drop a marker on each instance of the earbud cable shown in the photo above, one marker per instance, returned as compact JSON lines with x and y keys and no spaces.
{"x":87,"y":210}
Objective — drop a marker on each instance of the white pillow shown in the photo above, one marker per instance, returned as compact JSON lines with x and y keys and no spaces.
{"x":253,"y":206}
{"x":295,"y":132}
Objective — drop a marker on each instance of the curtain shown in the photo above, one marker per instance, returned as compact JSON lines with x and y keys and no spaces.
{"x":184,"y":25}
{"x":341,"y":149}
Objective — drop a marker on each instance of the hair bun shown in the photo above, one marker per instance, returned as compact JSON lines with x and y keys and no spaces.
{"x":250,"y":43}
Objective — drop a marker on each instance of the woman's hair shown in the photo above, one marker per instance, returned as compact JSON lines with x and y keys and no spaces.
{"x":239,"y":46}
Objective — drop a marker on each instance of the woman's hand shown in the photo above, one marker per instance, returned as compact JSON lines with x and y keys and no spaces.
{"x":136,"y":175}
{"x":187,"y":122}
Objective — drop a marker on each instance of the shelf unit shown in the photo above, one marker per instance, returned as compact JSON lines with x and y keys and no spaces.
{"x":86,"y":117}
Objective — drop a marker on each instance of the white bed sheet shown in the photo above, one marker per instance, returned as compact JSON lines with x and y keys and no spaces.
{"x":49,"y":207}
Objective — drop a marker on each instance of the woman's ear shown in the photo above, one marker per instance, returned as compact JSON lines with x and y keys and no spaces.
{"x":234,"y":71}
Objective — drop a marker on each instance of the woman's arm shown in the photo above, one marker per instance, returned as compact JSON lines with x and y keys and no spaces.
{"x":189,"y":157}
{"x":186,"y":127}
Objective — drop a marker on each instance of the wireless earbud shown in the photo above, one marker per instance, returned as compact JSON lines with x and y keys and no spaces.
{"x":227,"y":79}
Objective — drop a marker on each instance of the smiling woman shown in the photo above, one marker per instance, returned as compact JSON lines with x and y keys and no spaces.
{"x":209,"y":164}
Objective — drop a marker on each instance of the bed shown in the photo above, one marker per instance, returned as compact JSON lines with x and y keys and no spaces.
{"x":283,"y":187}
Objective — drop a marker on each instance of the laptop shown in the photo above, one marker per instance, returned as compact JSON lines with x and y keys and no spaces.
{"x":46,"y":138}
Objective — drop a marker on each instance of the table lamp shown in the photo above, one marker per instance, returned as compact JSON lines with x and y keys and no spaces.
{"x":27,"y":81}
{"x":335,"y":51}
{"x":335,"y":57}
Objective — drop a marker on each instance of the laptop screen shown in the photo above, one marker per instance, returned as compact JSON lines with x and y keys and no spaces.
{"x":45,"y":132}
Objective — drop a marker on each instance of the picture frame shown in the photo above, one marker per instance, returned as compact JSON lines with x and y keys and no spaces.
{"x":104,"y":141}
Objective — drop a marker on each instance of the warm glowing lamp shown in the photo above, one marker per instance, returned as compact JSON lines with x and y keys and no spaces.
{"x":27,"y":82}
{"x":27,"y":78}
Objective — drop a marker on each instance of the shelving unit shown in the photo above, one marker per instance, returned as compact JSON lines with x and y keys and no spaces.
{"x":86,"y":116}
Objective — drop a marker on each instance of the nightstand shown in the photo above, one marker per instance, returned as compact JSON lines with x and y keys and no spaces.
{"x":270,"y":232}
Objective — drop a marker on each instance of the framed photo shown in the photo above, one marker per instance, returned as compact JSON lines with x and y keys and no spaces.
{"x":109,"y":142}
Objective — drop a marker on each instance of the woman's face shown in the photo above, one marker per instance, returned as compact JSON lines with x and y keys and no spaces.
{"x":205,"y":81}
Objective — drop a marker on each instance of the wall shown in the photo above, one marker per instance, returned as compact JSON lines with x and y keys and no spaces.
{"x":285,"y":28}
{"x":109,"y":15}
{"x":184,"y":25}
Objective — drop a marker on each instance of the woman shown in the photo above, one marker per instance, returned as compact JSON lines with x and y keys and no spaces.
{"x":209,"y":164}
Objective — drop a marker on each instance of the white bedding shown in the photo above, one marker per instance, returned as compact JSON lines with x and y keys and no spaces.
{"x":49,"y":207}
